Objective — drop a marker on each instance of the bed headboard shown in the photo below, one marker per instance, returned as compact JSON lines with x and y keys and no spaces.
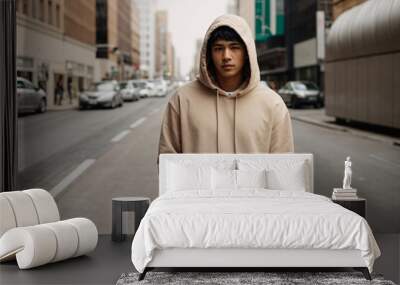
{"x":212,"y":159}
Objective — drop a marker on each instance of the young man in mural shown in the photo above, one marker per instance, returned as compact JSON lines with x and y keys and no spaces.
{"x":226,"y":110}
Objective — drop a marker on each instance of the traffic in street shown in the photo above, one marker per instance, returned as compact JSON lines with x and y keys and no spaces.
{"x":103,"y":153}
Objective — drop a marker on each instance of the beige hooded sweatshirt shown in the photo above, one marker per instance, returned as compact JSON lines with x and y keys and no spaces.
{"x":202,"y":118}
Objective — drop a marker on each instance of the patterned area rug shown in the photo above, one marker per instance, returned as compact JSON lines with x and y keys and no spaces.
{"x":242,"y":278}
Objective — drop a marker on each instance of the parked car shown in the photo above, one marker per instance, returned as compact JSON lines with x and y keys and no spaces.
{"x":102,"y":94}
{"x":161,"y":88}
{"x":297,"y":93}
{"x":128,"y":91}
{"x":137,"y":87}
{"x":141,"y":89}
{"x":29,"y":97}
{"x":151,"y":89}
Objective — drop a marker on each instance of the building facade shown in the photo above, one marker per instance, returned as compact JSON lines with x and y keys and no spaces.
{"x":51,"y":47}
{"x":295,"y":51}
{"x":341,"y":6}
{"x":269,"y":33}
{"x":80,"y":30}
{"x":363,"y":63}
{"x":244,"y":9}
{"x":301,"y":42}
{"x":135,"y":48}
{"x":170,"y":63}
{"x":196,"y":60}
{"x":147,"y":37}
{"x":113,"y":40}
{"x":161,"y":43}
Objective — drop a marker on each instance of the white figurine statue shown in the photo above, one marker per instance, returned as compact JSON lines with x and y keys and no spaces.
{"x":347,"y":174}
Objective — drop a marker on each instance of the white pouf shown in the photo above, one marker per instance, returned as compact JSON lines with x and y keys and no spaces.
{"x":31,"y":232}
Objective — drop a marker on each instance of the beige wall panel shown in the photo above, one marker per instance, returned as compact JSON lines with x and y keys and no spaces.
{"x":372,"y":91}
{"x":388,"y":91}
{"x":362,"y":89}
{"x":336,"y":95}
{"x":380,"y":99}
{"x":351,"y":104}
{"x":329,"y":88}
{"x":386,"y":87}
{"x":340,"y":87}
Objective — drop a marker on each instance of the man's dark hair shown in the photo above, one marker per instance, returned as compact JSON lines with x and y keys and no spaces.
{"x":228,"y":34}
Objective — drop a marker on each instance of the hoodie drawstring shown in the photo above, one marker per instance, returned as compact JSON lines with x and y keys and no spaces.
{"x":234,"y":126}
{"x":217,"y":121}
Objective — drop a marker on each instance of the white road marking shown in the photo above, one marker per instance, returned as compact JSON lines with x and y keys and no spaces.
{"x":138,"y":123}
{"x":120,"y":136}
{"x":384,"y":160}
{"x":60,"y":187}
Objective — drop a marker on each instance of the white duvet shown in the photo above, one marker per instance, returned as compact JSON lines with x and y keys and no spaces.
{"x":251,"y":218}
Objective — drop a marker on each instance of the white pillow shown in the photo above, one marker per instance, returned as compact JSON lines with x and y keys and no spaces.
{"x":236,"y":179}
{"x":188,"y":177}
{"x":292,"y":179}
{"x":223,"y":179}
{"x":282,"y":174}
{"x":251,"y":178}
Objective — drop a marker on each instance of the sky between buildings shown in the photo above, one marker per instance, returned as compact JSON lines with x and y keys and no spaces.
{"x":188,"y":20}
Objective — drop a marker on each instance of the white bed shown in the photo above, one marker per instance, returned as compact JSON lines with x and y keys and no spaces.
{"x":247,"y":225}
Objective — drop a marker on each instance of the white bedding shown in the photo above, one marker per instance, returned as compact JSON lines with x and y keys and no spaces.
{"x":250,"y":218}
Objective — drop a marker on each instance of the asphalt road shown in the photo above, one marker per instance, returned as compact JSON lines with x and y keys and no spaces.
{"x":375,"y":165}
{"x":54,"y":143}
{"x":87,"y":157}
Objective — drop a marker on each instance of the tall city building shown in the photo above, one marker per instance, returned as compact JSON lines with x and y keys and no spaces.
{"x":79,"y":28}
{"x":80,"y":16}
{"x":55,"y":41}
{"x":177,"y":69}
{"x":196,"y":60}
{"x":233,"y":7}
{"x":135,"y":30}
{"x":291,"y":39}
{"x":147,"y":37}
{"x":170,"y":62}
{"x":301,"y":41}
{"x":113,"y":39}
{"x":246,"y":9}
{"x":161,"y":43}
{"x":269,"y":31}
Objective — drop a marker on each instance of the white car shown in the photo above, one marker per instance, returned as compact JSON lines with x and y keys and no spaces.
{"x":297,"y":93}
{"x":128,"y":91}
{"x":151,"y":89}
{"x":29,"y":97}
{"x":102,"y":94}
{"x":161,"y":88}
{"x":141,"y":89}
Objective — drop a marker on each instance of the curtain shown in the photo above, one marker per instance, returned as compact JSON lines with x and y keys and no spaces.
{"x":8,"y":104}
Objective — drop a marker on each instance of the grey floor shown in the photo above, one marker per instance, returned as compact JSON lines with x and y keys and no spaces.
{"x":103,"y":266}
{"x":111,"y":259}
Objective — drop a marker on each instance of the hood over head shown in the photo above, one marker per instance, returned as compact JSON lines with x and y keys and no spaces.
{"x":242,"y":28}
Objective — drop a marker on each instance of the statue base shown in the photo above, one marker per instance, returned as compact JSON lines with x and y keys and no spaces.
{"x":344,"y":194}
{"x":350,"y":190}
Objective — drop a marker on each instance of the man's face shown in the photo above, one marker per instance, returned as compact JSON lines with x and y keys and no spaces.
{"x":228,"y":58}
